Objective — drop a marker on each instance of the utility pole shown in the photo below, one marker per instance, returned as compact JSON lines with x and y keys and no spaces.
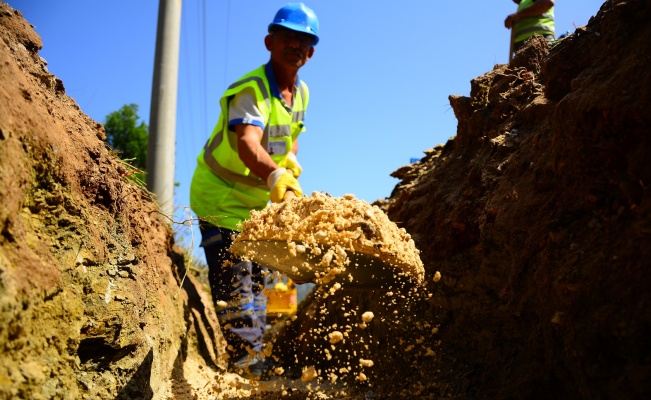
{"x":162,"y":118}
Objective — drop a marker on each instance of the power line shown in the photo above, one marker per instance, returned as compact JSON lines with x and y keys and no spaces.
{"x":204,"y":64}
{"x":228,"y":28}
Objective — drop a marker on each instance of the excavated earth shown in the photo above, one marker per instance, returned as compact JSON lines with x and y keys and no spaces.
{"x":93,"y":300}
{"x":533,"y":224}
{"x":325,"y":234}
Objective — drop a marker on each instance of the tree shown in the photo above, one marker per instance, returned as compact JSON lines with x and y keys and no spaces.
{"x":126,"y":137}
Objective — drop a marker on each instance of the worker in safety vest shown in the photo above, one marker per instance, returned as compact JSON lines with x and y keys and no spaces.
{"x":249,"y":159}
{"x":533,"y":17}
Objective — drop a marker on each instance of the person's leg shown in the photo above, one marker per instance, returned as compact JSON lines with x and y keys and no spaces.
{"x":245,"y":321}
{"x":232,"y":289}
{"x":259,"y":277}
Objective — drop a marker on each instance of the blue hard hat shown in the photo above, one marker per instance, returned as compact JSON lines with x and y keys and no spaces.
{"x":297,"y":17}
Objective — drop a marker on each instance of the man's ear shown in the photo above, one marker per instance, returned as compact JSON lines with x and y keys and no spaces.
{"x":267,"y":42}
{"x":310,"y":52}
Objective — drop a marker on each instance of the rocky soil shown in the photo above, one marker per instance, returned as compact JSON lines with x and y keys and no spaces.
{"x":533,"y":224}
{"x":93,"y":299}
{"x":536,"y":215}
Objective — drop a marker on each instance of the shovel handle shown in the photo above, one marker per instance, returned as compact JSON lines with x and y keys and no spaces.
{"x":289,"y":194}
{"x":511,"y":44}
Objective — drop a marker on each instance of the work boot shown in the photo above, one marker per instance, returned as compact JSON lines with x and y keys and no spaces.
{"x":253,"y":367}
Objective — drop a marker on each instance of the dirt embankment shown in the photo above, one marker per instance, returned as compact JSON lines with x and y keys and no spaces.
{"x":533,"y":224}
{"x":90,"y":289}
{"x":537,"y":216}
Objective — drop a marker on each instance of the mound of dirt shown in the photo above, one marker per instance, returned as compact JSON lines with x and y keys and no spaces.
{"x":93,"y":300}
{"x":537,"y":216}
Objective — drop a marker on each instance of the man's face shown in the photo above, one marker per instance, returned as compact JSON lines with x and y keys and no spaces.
{"x":289,"y":47}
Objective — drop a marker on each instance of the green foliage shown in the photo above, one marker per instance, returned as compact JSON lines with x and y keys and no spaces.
{"x":126,"y":137}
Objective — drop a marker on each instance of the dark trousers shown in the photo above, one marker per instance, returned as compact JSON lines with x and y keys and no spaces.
{"x":236,"y":288}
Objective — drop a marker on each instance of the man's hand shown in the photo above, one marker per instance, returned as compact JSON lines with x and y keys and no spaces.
{"x":508,"y":22}
{"x":291,"y":163}
{"x":279,"y":182}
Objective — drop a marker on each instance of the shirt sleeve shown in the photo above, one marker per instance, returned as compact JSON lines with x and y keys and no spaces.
{"x":243,"y":110}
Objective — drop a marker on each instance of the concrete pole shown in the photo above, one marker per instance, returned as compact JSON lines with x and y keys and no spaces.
{"x":162,"y":119}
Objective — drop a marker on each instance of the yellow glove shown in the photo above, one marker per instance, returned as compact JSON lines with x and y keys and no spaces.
{"x":291,"y":163}
{"x":279,"y":182}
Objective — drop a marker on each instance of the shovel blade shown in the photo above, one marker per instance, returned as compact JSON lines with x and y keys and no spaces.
{"x":364,"y":272}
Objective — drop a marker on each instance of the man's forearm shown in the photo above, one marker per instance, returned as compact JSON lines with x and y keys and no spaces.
{"x":537,"y":8}
{"x":252,"y":154}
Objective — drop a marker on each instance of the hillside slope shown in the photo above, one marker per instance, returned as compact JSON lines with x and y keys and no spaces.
{"x":537,"y":216}
{"x":92,"y":296}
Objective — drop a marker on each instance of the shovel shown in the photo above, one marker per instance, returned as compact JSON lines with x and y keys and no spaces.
{"x":362,"y":272}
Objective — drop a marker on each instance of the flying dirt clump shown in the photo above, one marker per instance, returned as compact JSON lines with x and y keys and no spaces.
{"x":367,"y":316}
{"x":331,"y":228}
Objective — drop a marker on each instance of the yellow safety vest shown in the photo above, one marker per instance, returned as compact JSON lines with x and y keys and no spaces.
{"x":540,"y":24}
{"x":223,"y":189}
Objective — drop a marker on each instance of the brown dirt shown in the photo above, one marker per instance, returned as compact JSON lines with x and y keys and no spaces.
{"x":90,"y":279}
{"x":331,"y":230}
{"x":533,"y":225}
{"x":537,"y":216}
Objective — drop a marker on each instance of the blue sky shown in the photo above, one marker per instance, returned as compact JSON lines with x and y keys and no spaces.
{"x":379,"y":79}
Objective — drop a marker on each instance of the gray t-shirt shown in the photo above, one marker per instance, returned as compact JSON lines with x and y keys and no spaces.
{"x":243,"y":110}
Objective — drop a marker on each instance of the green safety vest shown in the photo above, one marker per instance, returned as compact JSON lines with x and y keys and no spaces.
{"x":527,"y":27}
{"x":223,"y":190}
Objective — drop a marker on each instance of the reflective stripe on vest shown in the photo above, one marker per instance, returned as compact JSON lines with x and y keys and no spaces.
{"x":541,"y":24}
{"x":236,"y":309}
{"x":232,"y":169}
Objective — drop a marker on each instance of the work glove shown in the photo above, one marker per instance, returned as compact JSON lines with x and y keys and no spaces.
{"x":291,"y":163}
{"x":279,"y":182}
